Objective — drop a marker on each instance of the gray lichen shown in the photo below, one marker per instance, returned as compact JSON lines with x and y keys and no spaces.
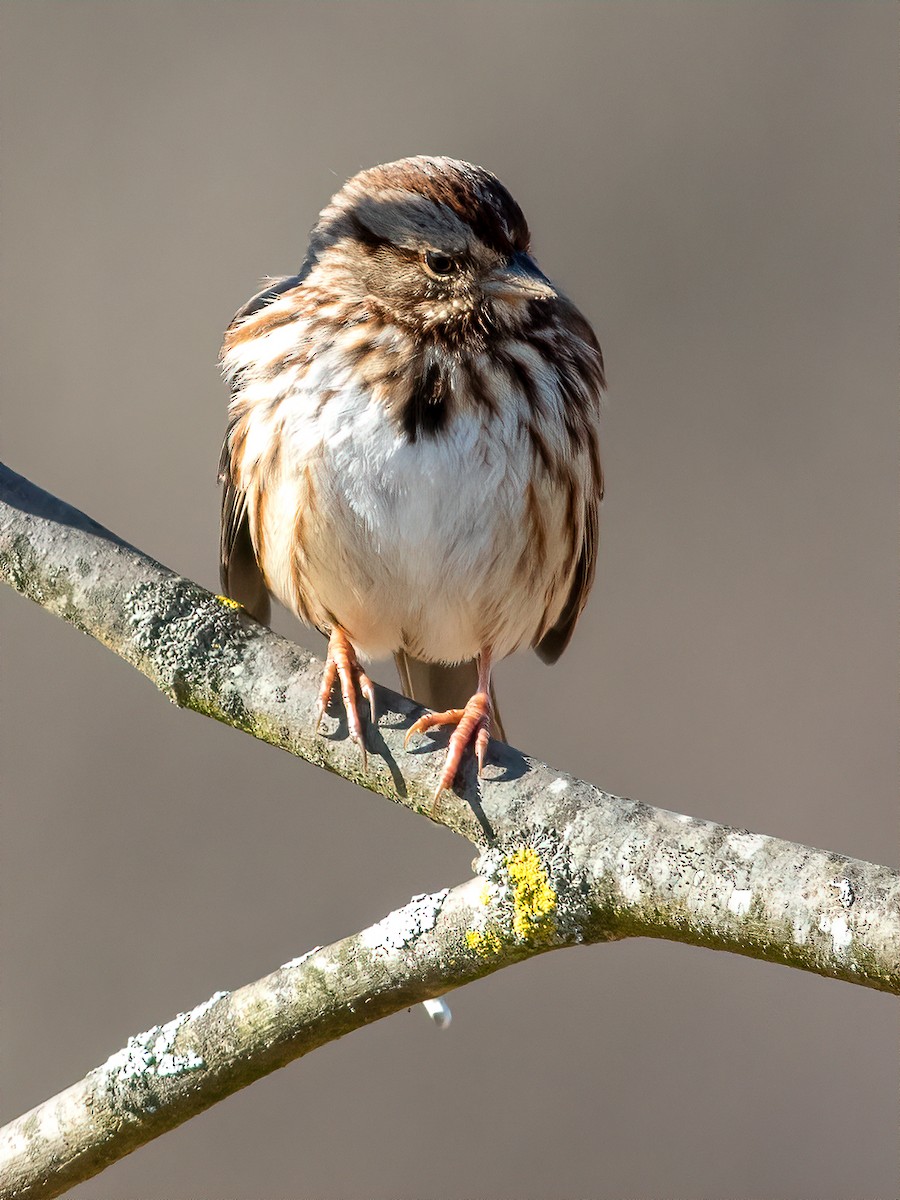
{"x":182,"y":628}
{"x":405,"y":924}
{"x":150,"y":1056}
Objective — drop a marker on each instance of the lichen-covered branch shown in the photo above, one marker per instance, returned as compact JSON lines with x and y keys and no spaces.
{"x":562,"y":862}
{"x":171,"y":1072}
{"x":624,"y":868}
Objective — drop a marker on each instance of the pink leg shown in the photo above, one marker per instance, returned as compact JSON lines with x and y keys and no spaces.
{"x":341,"y":663}
{"x":473,"y":726}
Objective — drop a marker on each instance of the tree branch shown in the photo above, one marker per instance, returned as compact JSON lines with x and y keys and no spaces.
{"x":561,"y":863}
{"x":168,"y":1074}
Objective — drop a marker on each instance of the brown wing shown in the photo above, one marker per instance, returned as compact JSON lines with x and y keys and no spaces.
{"x":590,"y":370}
{"x":239,"y":570}
{"x":558,"y":636}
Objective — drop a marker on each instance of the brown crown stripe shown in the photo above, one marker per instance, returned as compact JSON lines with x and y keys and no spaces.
{"x":473,"y":194}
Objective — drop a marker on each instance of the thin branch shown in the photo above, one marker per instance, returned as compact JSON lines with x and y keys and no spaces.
{"x":168,"y":1074}
{"x":561,"y":863}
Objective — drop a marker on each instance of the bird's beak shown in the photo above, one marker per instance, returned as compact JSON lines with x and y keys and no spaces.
{"x":519,"y":279}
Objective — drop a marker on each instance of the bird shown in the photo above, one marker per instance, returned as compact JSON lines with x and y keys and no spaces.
{"x":412,"y":457}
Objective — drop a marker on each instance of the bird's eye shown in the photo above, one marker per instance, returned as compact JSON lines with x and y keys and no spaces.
{"x":439,"y":264}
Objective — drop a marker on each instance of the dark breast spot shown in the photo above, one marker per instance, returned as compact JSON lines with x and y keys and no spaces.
{"x":426,"y":410}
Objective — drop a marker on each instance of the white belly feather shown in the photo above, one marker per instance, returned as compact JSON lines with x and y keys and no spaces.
{"x":418,"y":545}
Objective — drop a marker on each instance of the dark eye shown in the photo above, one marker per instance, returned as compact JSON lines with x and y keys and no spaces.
{"x":439,"y":264}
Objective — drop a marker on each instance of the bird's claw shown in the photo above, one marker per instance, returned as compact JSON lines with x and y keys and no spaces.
{"x":473,"y":725}
{"x":341,"y":664}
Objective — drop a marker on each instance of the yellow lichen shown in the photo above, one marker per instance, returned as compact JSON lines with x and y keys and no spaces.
{"x":228,"y":602}
{"x":534,"y":900}
{"x":533,"y":907}
{"x":483,"y":942}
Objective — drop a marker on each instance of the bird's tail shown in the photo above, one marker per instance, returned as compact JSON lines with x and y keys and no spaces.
{"x":440,"y":687}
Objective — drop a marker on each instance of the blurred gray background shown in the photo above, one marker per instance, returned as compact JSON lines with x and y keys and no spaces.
{"x":715,"y":185}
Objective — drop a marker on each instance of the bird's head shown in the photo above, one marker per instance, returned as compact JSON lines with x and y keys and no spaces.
{"x":435,"y":244}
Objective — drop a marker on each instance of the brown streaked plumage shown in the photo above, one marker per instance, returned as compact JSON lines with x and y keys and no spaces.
{"x":412,"y":459}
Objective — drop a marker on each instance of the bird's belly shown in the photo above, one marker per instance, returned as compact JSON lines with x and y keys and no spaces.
{"x":413,"y":544}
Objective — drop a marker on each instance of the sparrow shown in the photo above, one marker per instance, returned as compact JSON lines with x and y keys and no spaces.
{"x":412,"y":461}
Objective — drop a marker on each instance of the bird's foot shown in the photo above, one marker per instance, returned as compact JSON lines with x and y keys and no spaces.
{"x":342,"y":664}
{"x":473,"y":726}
